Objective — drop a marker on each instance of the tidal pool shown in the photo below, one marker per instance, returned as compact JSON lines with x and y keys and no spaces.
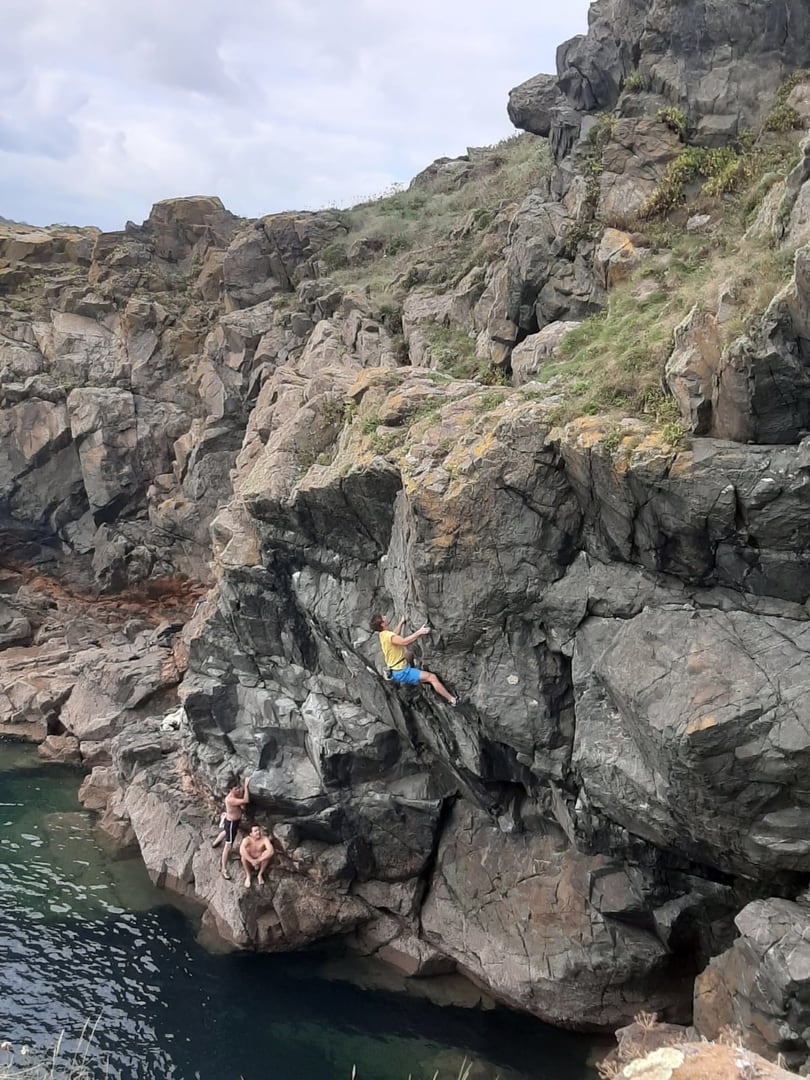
{"x":86,"y":939}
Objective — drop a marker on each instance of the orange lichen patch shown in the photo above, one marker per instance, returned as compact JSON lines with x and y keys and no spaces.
{"x":702,"y":1061}
{"x":703,"y":723}
{"x":380,"y":380}
{"x":483,"y":445}
{"x":587,"y":431}
{"x":656,"y":442}
{"x":695,"y":664}
{"x":404,"y":402}
{"x":682,"y":466}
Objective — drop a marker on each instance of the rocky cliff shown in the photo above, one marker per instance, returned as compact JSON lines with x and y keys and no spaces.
{"x":554,"y":399}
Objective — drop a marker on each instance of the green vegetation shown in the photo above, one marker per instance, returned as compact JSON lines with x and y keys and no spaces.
{"x":673,"y":434}
{"x":674,"y":120}
{"x":370,"y":424}
{"x":722,"y":170}
{"x":334,"y":256}
{"x":489,"y":401}
{"x":613,"y":362}
{"x":602,"y":131}
{"x":336,"y":411}
{"x":453,"y":351}
{"x":633,"y":83}
{"x":784,"y":117}
{"x":430,"y":235}
{"x":424,"y":412}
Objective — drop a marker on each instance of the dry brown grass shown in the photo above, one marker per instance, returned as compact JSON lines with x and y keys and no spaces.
{"x":446,"y":233}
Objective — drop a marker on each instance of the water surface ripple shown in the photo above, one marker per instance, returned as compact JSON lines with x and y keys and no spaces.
{"x":85,"y":937}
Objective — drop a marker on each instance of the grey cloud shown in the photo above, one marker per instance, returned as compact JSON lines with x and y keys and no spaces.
{"x":57,"y":142}
{"x":269,"y":103}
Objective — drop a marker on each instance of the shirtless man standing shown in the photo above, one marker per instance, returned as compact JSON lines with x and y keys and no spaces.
{"x":256,"y":851}
{"x":236,"y":798}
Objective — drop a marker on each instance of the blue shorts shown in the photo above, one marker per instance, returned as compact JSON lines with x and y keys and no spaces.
{"x":407,"y":676}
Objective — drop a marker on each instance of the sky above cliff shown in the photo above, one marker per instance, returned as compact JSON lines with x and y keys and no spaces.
{"x":270,"y":104}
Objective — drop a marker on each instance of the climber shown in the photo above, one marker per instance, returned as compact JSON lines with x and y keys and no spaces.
{"x":255,"y":851}
{"x":398,"y":661}
{"x":236,"y":798}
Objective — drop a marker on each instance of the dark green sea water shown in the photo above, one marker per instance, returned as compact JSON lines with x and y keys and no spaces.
{"x":84,"y":936}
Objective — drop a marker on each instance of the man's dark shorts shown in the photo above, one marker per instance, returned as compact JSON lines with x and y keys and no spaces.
{"x":231,"y":829}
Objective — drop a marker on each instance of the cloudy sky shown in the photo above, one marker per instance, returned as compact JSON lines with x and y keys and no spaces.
{"x":107,"y":106}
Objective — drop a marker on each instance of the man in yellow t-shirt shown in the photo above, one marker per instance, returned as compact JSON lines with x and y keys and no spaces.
{"x":398,"y":661}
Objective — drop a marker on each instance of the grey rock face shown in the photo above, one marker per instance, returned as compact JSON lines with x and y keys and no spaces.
{"x":552,"y":929}
{"x":725,"y":514}
{"x":545,"y":284}
{"x":529,"y":356}
{"x":633,"y":163}
{"x":693,"y":738}
{"x":760,"y":984}
{"x":275,"y":254}
{"x":720,"y":62}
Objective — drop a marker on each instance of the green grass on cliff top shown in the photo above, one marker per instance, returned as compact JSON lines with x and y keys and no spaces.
{"x":443,"y":233}
{"x":613,"y":363}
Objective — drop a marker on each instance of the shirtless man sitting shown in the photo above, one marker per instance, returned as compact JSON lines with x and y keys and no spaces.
{"x":256,"y":851}
{"x":236,"y":798}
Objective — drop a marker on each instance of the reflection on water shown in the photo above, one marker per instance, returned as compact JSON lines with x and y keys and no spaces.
{"x":84,"y":935}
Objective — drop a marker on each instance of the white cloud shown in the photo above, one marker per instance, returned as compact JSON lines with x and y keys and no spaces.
{"x":271,"y":104}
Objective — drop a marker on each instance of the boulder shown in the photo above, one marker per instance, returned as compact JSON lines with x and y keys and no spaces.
{"x":534,"y":351}
{"x":531,"y":104}
{"x":692,"y":368}
{"x":544,"y":284}
{"x":60,"y":749}
{"x":523,"y":909}
{"x":759,"y":986}
{"x":697,"y":749}
{"x":98,"y":787}
{"x":616,"y":257}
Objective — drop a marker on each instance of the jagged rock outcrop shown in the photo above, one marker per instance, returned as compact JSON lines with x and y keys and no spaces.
{"x":720,"y":62}
{"x":759,"y":986}
{"x":756,"y":388}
